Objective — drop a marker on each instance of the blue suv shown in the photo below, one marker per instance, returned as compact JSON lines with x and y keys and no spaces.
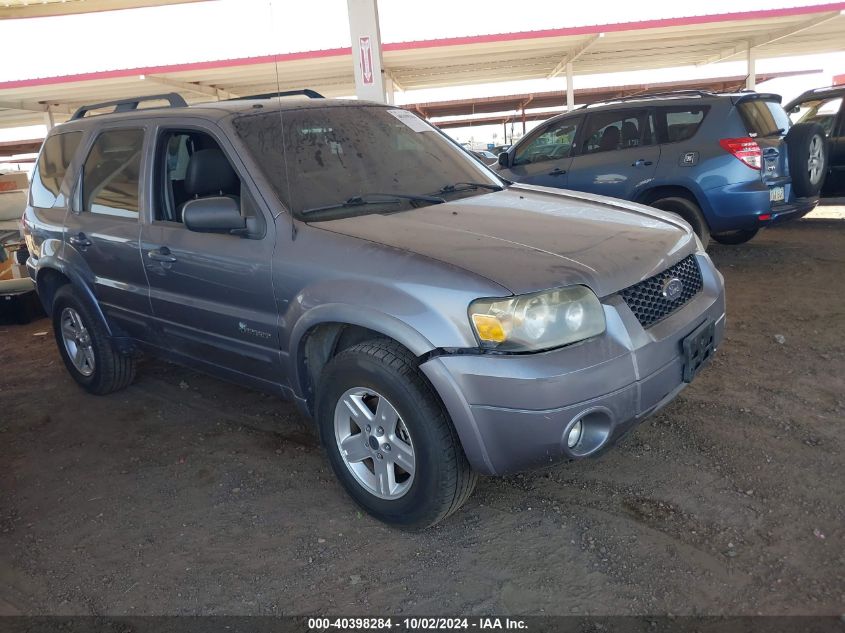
{"x":728,"y":164}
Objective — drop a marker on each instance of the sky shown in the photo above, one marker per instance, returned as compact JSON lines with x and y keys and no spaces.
{"x":223,"y":29}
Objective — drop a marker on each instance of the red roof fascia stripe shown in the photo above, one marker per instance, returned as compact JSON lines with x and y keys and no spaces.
{"x":434,"y":43}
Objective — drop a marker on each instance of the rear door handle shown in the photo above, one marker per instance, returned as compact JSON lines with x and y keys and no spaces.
{"x":642,"y":162}
{"x":161,"y":255}
{"x":80,"y":241}
{"x":557,"y":171}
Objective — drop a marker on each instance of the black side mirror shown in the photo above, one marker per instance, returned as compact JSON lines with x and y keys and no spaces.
{"x":213,"y":214}
{"x":505,"y":159}
{"x":794,"y":109}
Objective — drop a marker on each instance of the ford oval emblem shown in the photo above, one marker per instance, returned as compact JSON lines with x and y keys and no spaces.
{"x":672,"y":288}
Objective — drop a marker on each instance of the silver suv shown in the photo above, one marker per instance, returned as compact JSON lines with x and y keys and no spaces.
{"x":436,"y":321}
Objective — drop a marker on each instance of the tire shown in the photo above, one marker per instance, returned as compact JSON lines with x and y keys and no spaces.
{"x":382,"y":372}
{"x":103,"y":369}
{"x":806,"y":149}
{"x":688,"y":211}
{"x":735,"y":237}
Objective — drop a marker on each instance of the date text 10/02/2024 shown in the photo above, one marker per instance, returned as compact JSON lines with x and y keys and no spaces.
{"x":417,"y":623}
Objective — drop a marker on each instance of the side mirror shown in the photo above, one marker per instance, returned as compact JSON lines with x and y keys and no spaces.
{"x":213,"y":214}
{"x":794,"y":109}
{"x":505,"y":159}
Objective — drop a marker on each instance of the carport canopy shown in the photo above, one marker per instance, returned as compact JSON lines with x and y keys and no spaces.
{"x":453,"y":61}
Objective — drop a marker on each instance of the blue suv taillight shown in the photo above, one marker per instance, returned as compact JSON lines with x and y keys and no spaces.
{"x":744,"y":149}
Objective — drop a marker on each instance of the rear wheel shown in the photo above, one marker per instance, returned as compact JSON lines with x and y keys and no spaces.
{"x":85,"y":347}
{"x":689,"y":211}
{"x":806,"y":148}
{"x":735,"y":237}
{"x":388,"y":437}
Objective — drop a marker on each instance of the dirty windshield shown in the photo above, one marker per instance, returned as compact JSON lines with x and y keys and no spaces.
{"x":337,"y":161}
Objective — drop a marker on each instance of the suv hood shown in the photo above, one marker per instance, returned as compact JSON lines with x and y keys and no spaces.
{"x":531,"y":238}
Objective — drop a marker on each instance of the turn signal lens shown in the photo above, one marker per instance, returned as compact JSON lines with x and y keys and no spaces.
{"x":489,"y":328}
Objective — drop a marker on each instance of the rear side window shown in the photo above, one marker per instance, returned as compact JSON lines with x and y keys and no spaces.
{"x":618,"y":129}
{"x":763,"y":118}
{"x":52,"y":166}
{"x":682,"y":122}
{"x":110,"y":176}
{"x":821,"y":111}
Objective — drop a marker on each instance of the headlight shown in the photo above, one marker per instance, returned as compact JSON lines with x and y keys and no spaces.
{"x":541,"y":320}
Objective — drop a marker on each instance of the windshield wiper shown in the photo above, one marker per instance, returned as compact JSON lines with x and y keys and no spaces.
{"x":370,"y":198}
{"x":468,"y":186}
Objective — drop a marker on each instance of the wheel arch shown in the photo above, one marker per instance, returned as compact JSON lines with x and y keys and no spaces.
{"x":327,"y":330}
{"x":53,"y":275}
{"x":656,"y":192}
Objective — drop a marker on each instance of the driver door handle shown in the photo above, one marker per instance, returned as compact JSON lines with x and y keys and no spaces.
{"x":80,"y":241}
{"x":162,"y":255}
{"x":642,"y":162}
{"x":557,"y":171}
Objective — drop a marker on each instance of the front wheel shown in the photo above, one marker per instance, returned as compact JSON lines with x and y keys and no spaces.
{"x":735,"y":237}
{"x":388,"y":437}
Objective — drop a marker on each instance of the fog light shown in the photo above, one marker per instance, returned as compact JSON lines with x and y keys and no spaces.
{"x":574,"y":435}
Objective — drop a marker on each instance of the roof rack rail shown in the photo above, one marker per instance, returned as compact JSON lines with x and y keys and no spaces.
{"x":125,"y":105}
{"x":651,"y":95}
{"x":307,"y":92}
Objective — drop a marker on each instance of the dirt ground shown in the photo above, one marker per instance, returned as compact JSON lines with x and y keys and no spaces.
{"x":187,"y":495}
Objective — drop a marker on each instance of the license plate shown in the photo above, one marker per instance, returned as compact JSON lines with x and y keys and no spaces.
{"x":698,"y":349}
{"x":776,"y":194}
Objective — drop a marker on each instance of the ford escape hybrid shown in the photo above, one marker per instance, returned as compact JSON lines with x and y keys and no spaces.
{"x":435,"y":321}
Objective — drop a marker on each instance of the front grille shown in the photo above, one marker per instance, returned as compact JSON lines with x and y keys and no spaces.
{"x":647,"y":300}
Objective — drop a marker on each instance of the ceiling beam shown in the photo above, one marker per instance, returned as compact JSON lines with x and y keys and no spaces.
{"x":37,"y":106}
{"x":396,"y":83}
{"x":191,"y":86}
{"x":768,"y":38}
{"x":52,"y":8}
{"x":574,"y":54}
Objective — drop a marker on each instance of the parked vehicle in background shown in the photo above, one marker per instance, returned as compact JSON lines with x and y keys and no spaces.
{"x":17,"y":291}
{"x":486,"y":157}
{"x":728,"y":164}
{"x":436,"y":321}
{"x":826,"y":106}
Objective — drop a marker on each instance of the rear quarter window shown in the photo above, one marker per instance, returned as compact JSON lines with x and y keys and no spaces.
{"x":52,"y":166}
{"x":682,"y":122}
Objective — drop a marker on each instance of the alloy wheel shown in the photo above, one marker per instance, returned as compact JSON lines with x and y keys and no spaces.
{"x":374,"y":443}
{"x":77,"y":341}
{"x":815,"y":164}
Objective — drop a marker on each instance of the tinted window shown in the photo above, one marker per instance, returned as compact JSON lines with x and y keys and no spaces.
{"x":111,"y":173}
{"x":682,"y":122}
{"x":821,"y":111}
{"x":763,"y":118}
{"x":321,"y":156}
{"x":620,"y":129}
{"x":553,"y":143}
{"x":52,"y":166}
